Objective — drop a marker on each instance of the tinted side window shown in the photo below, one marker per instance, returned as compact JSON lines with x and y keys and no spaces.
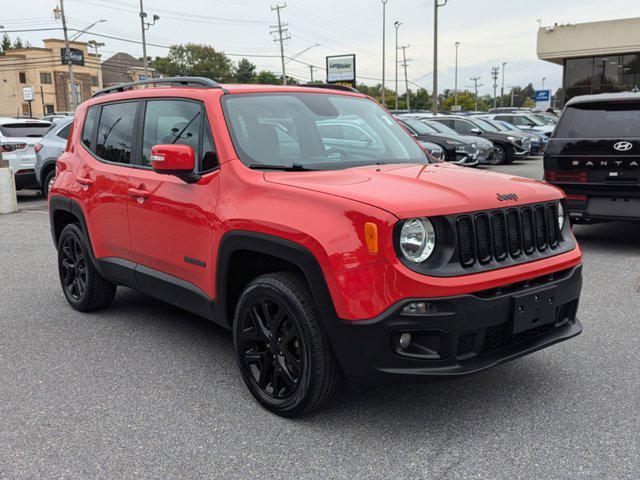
{"x":115,"y":132}
{"x":171,"y":121}
{"x":64,"y":133}
{"x":89,"y":123}
{"x":463,"y":127}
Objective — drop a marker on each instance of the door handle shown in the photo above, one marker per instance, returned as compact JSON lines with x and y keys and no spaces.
{"x":84,"y":181}
{"x":138,"y":193}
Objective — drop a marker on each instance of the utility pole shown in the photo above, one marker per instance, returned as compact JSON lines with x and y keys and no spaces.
{"x":397,"y":25}
{"x":281,"y":30}
{"x":502,"y":87}
{"x":494,"y":75}
{"x":512,"y":95}
{"x":59,"y":13}
{"x":406,"y":81}
{"x":543,"y":79}
{"x":145,"y":26}
{"x":436,"y":5}
{"x":475,"y":89}
{"x":311,"y":70}
{"x":455,"y":88}
{"x":384,"y":39}
{"x":95,"y":45}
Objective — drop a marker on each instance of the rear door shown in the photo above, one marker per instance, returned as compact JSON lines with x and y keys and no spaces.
{"x":171,"y":221}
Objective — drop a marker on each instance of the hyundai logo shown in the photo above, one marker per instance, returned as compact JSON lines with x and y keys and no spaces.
{"x":623,"y":146}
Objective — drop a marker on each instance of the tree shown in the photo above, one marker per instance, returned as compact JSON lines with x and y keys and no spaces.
{"x":245,"y":71}
{"x":267,"y":78}
{"x":5,"y":44}
{"x":195,"y":60}
{"x":17,"y":43}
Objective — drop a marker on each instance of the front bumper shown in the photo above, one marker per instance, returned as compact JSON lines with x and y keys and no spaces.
{"x":460,"y":335}
{"x":520,"y":151}
{"x":585,"y":205}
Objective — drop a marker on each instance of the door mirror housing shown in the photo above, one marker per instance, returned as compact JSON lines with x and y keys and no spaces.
{"x":476,"y":131}
{"x":175,"y":159}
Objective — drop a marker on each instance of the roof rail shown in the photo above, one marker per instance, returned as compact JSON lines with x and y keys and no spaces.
{"x":170,"y":81}
{"x":331,"y":86}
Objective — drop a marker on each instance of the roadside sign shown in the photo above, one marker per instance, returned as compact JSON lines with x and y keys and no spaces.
{"x":341,"y":69}
{"x":28,"y":94}
{"x":77,"y":56}
{"x":542,"y":99}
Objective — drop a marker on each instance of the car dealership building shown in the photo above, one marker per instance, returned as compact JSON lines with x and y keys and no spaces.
{"x":596,"y":57}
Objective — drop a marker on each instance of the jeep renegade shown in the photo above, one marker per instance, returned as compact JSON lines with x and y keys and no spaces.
{"x":309,"y":222}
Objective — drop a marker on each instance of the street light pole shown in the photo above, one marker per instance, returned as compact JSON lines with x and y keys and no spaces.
{"x":397,"y":25}
{"x":502,"y":87}
{"x":436,"y":5}
{"x":543,"y":79}
{"x":67,"y":51}
{"x":455,"y":88}
{"x":384,"y":31}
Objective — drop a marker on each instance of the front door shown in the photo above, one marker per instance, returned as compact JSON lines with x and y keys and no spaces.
{"x":170,"y":221}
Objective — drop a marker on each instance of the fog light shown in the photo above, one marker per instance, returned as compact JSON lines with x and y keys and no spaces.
{"x":405,"y":340}
{"x":418,"y":308}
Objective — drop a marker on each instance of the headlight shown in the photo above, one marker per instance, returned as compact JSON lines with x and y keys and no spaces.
{"x":560,"y":216}
{"x":417,"y":239}
{"x":516,"y":140}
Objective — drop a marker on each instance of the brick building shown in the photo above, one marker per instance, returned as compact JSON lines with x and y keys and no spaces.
{"x":46,"y":71}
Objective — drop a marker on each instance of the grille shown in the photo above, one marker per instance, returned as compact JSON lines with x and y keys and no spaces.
{"x":494,"y":236}
{"x":502,"y":336}
{"x":465,"y":344}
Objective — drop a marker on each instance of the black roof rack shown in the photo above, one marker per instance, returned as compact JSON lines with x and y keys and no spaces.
{"x":170,"y":81}
{"x":331,"y":86}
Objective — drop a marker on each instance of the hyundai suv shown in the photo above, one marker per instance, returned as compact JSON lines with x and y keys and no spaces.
{"x":17,"y":140}
{"x":326,"y":257}
{"x":594,"y":156}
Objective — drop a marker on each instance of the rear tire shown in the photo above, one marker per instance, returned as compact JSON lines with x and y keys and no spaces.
{"x":82,"y":285}
{"x":283,"y":353}
{"x":47,"y":183}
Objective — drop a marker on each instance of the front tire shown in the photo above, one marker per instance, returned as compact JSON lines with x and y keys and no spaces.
{"x":82,"y":285}
{"x":499,"y":155}
{"x":283,"y":353}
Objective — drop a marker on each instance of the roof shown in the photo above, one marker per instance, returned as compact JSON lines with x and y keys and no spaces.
{"x":604,"y":97}
{"x":115,"y":68}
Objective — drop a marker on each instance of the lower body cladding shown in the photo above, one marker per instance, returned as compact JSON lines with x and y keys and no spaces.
{"x":454,"y":336}
{"x":25,"y":179}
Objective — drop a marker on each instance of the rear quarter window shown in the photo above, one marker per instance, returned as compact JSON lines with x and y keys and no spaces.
{"x":597,"y":120}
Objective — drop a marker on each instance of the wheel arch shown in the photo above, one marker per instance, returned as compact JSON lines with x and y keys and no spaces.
{"x":264,"y":248}
{"x":47,"y":166}
{"x":62,"y":211}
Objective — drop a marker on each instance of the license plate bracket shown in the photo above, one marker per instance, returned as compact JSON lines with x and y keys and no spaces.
{"x":534,"y":309}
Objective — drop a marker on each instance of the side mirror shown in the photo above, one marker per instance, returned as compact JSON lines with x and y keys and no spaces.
{"x":174,"y":159}
{"x":476,"y":131}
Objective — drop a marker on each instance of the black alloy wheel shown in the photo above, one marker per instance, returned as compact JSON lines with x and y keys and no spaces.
{"x":73,"y":268}
{"x":271,"y":348}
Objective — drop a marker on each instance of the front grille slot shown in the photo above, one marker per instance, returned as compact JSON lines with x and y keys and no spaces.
{"x":495,"y":236}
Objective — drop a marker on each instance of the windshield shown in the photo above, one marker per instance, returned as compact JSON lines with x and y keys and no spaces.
{"x":24,"y":129}
{"x":486,"y":126}
{"x":419,"y":127}
{"x":496,"y":124}
{"x":440,"y":128}
{"x":597,"y":120}
{"x":510,"y":127}
{"x":536,"y":121}
{"x":316,"y":131}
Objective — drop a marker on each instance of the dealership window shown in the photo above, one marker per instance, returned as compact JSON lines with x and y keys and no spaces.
{"x":606,"y":74}
{"x":578,"y":76}
{"x":23,"y":77}
{"x":629,"y":71}
{"x":45,"y":77}
{"x":94,"y":81}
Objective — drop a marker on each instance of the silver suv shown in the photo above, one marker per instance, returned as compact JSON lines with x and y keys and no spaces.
{"x":17,"y":140}
{"x":48,"y":149}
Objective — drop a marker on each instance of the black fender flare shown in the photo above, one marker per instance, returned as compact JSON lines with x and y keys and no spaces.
{"x":292,"y":252}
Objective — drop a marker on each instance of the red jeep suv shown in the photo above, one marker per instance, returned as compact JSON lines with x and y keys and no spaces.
{"x":308,"y":221}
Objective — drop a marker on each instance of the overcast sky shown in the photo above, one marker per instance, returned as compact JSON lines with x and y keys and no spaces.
{"x":491,"y":32}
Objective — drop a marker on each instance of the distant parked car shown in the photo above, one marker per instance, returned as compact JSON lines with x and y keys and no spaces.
{"x":436,"y":150}
{"x":509,"y":110}
{"x":56,"y":117}
{"x":547,"y":118}
{"x":17,"y":140}
{"x":48,"y":149}
{"x":508,"y":146}
{"x":525,"y":121}
{"x":537,"y":141}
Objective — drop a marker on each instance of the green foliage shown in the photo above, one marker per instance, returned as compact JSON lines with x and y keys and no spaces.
{"x":197,"y":60}
{"x":268,"y":78}
{"x":245,"y":71}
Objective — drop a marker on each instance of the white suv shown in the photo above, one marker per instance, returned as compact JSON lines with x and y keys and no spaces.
{"x":17,"y":139}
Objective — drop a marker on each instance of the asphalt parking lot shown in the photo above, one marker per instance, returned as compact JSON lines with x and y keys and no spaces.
{"x":144,"y":390}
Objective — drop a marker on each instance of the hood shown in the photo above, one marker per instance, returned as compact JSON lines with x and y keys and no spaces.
{"x":410,"y":190}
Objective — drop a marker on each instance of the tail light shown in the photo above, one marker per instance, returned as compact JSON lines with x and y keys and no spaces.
{"x":565,"y":177}
{"x":37,"y":147}
{"x":12,"y":147}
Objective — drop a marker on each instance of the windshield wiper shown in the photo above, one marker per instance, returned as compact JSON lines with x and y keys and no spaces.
{"x":296,"y":167}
